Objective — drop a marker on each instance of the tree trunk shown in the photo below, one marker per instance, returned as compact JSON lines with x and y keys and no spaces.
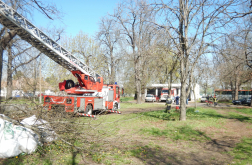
{"x":170,"y":84}
{"x":194,"y":94}
{"x":236,"y":91}
{"x":8,"y":36}
{"x":183,"y":102}
{"x":237,"y":81}
{"x":112,"y":75}
{"x":142,"y":95}
{"x":137,"y":80}
{"x":1,"y":69}
{"x":138,"y":89}
{"x":9,"y":73}
{"x":233,"y":90}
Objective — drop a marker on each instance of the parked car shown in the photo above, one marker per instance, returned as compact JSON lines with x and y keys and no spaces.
{"x":203,"y":99}
{"x":240,"y":101}
{"x":150,"y":97}
{"x":248,"y":101}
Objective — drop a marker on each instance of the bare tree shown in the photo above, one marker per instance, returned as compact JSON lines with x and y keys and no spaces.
{"x":133,"y":18}
{"x":192,"y":24}
{"x":108,"y":37}
{"x":15,"y":61}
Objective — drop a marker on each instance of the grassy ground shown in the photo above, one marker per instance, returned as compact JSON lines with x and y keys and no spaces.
{"x":144,"y":134}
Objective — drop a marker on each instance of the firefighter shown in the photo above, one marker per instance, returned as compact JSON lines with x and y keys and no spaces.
{"x":168,"y":104}
{"x":177,"y":100}
{"x":215,"y":100}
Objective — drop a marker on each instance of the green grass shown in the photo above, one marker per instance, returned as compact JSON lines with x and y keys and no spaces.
{"x":125,"y":99}
{"x":245,"y":110}
{"x":242,"y":153}
{"x":185,"y":133}
{"x":145,"y":125}
{"x":242,"y":118}
{"x":143,"y":105}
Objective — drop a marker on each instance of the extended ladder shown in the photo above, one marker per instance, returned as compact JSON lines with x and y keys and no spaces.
{"x":28,"y":32}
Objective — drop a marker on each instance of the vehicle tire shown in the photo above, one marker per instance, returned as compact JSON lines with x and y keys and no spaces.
{"x":115,"y":107}
{"x":89,"y":110}
{"x":69,"y":84}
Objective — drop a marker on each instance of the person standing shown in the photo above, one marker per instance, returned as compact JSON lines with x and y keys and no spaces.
{"x":177,"y":100}
{"x":215,"y":100}
{"x":168,"y":104}
{"x":207,"y":97}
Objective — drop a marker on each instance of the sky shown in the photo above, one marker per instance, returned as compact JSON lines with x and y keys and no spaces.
{"x":78,"y":15}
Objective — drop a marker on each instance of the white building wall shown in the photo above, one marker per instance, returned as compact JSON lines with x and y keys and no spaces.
{"x":177,"y":90}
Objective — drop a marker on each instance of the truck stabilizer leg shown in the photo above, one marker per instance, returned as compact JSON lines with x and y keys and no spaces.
{"x":83,"y":114}
{"x":114,"y":111}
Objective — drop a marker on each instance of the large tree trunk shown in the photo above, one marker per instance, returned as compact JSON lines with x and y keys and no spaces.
{"x":6,"y":38}
{"x":1,"y":68}
{"x":137,"y":78}
{"x":183,"y":102}
{"x":138,"y":88}
{"x":112,"y":75}
{"x":9,"y":73}
{"x":237,"y":81}
{"x":194,"y":94}
{"x":143,"y":94}
{"x":170,"y":84}
{"x":236,"y":90}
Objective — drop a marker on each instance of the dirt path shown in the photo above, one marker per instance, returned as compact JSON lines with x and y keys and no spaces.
{"x":214,"y":151}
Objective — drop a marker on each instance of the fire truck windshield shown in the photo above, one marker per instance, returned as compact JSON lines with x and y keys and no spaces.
{"x":164,"y":91}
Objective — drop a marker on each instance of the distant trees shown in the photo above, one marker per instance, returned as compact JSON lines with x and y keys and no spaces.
{"x":109,"y":36}
{"x":6,"y":36}
{"x":232,"y":64}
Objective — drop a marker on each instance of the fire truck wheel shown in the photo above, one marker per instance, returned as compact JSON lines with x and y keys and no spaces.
{"x":89,"y":110}
{"x":69,"y":84}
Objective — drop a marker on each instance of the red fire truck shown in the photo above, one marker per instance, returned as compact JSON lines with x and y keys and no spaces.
{"x":164,"y":94}
{"x":84,"y":104}
{"x":83,"y":97}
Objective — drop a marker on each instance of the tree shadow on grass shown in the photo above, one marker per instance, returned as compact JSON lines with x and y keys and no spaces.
{"x":191,"y":113}
{"x":161,"y":155}
{"x":162,"y":115}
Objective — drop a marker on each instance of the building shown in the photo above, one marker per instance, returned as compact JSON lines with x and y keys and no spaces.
{"x":156,"y":89}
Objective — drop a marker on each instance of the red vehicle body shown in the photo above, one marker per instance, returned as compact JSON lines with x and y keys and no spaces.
{"x":164,"y":94}
{"x":107,"y":99}
{"x":85,"y":96}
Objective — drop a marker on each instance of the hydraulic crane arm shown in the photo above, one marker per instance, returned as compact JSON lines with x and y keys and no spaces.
{"x":28,"y":32}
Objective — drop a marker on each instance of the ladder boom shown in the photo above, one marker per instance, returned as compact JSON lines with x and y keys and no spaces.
{"x":28,"y":32}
